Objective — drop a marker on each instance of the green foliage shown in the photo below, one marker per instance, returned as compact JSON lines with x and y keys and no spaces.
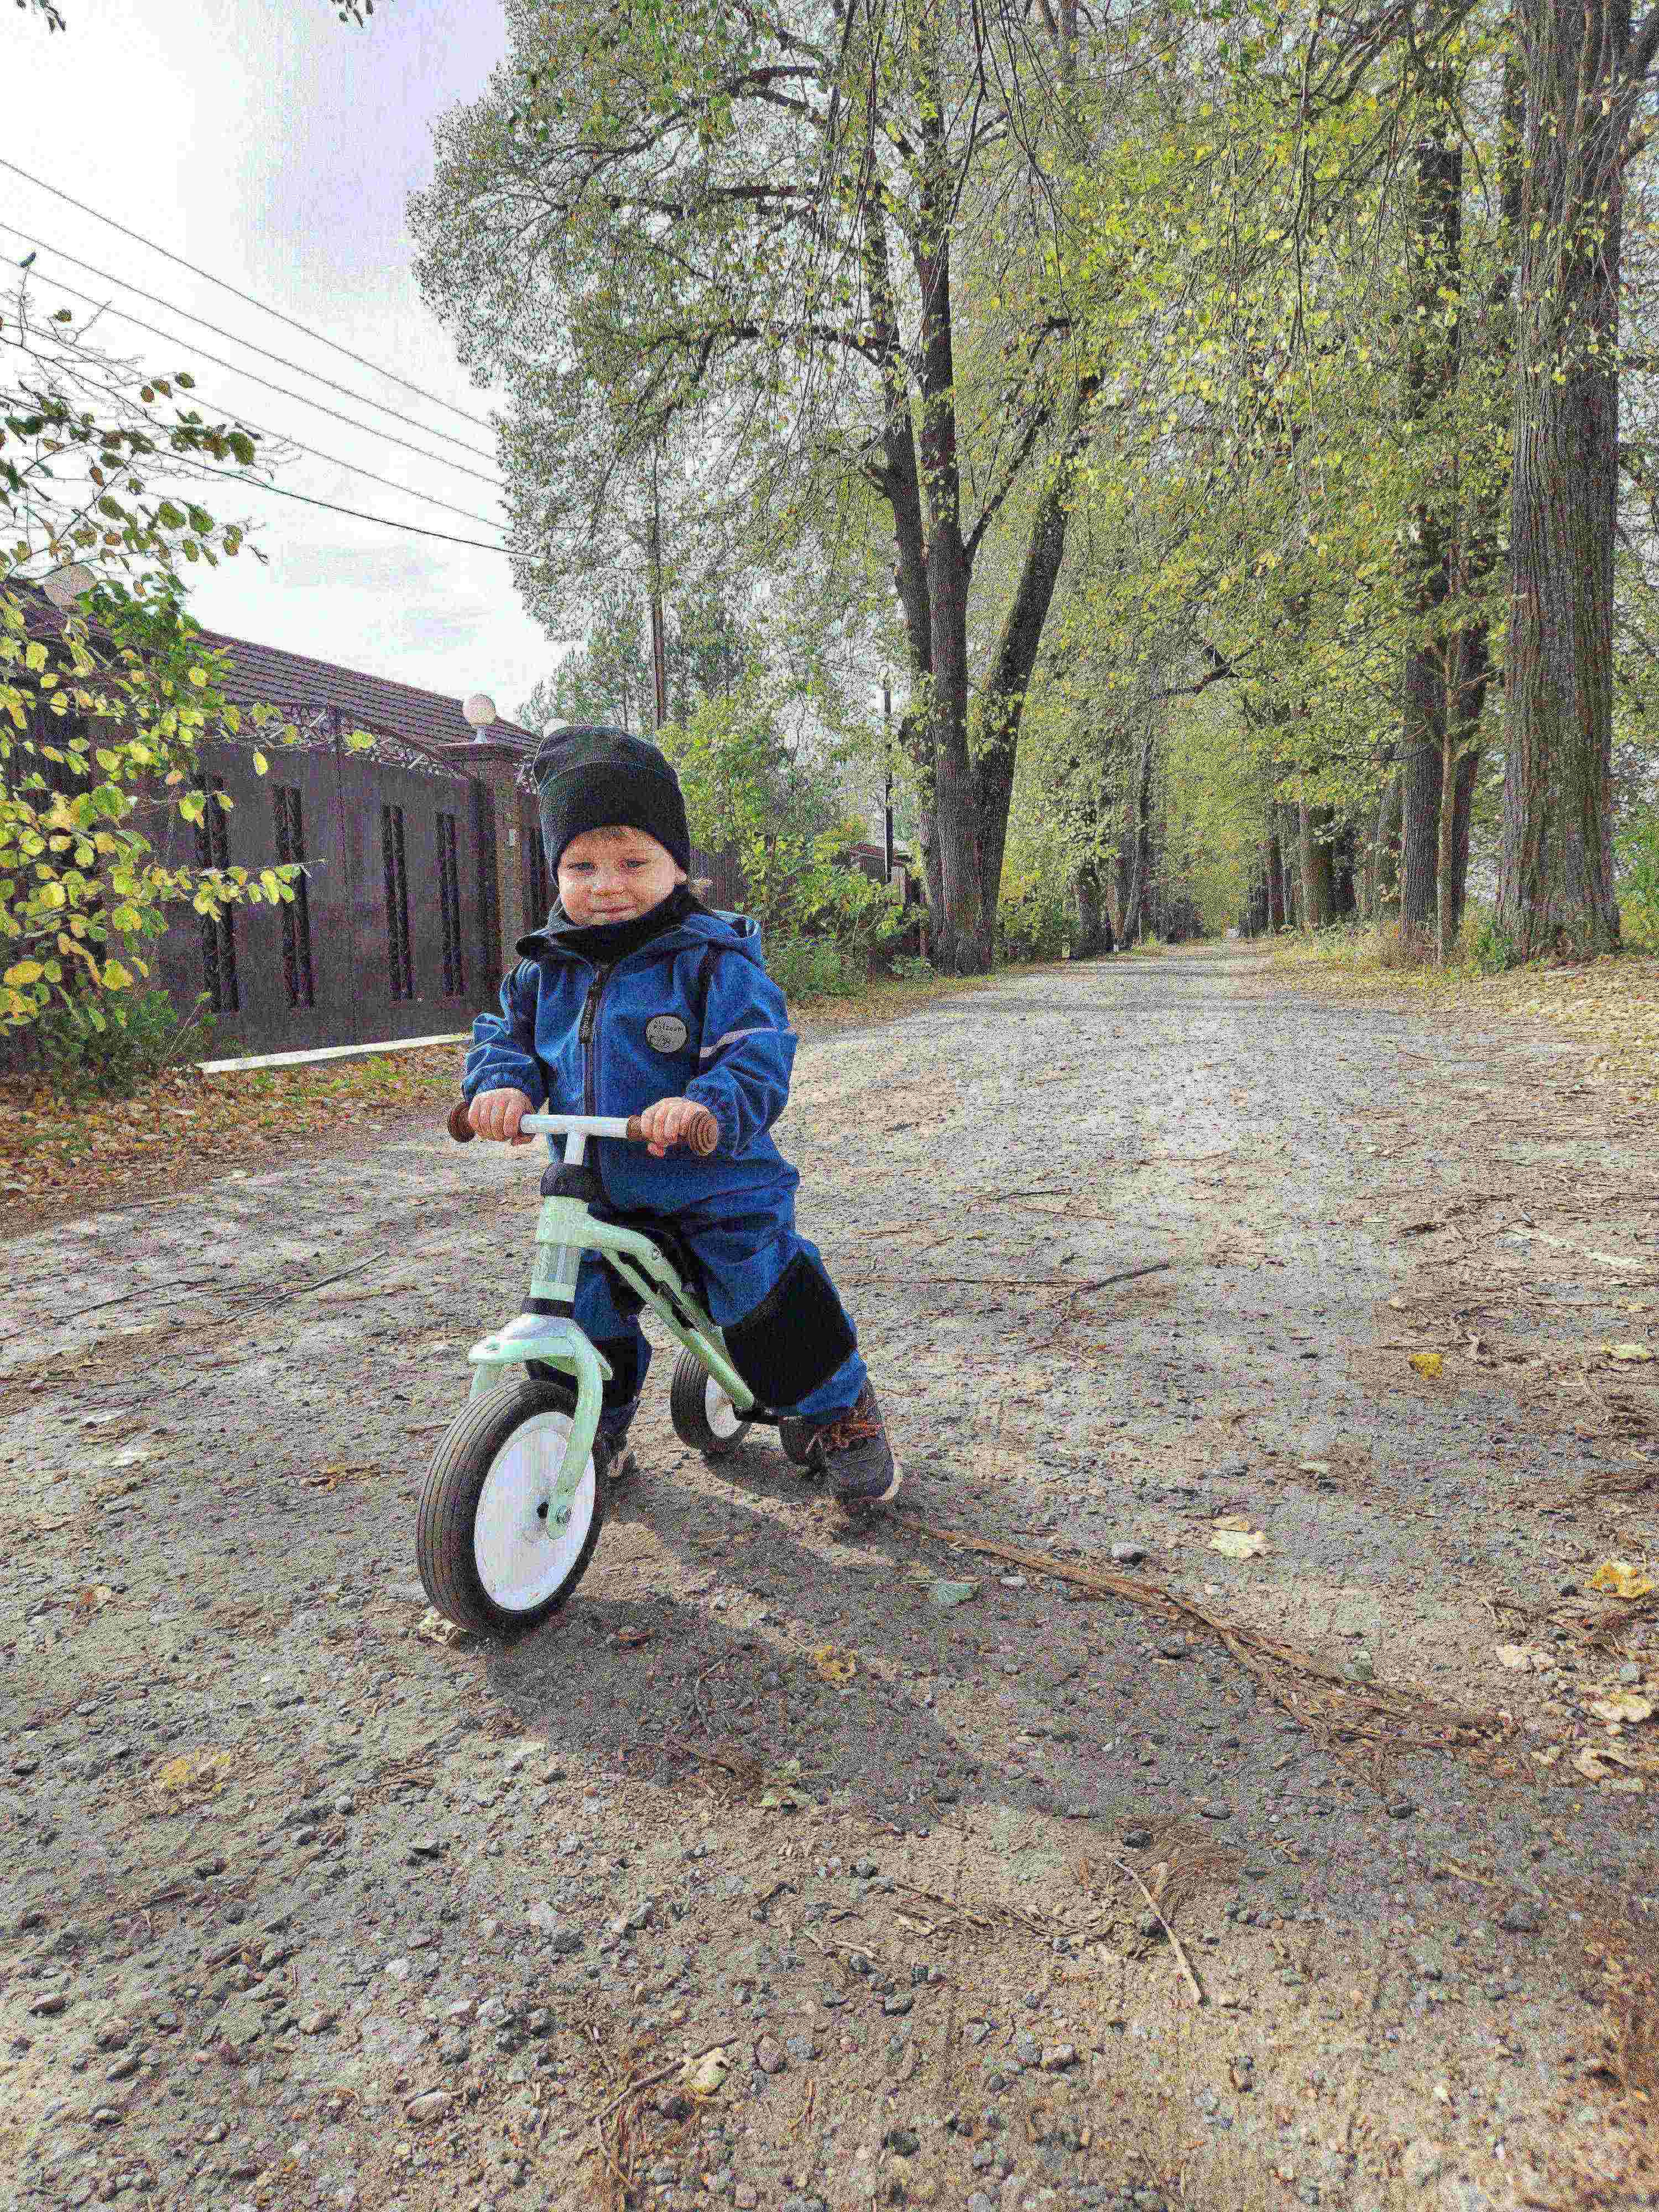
{"x":85,"y":1044}
{"x":815,"y":968}
{"x":1492,"y":951}
{"x":1033,"y":920}
{"x":1638,"y":880}
{"x":101,"y":714}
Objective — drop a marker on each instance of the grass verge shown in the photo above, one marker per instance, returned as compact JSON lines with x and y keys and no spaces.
{"x":1609,"y":1007}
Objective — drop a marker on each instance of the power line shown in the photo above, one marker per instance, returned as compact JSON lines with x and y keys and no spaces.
{"x":253,"y":377}
{"x":362,"y":360}
{"x":259,"y":483}
{"x":410,"y":529}
{"x":282,"y":359}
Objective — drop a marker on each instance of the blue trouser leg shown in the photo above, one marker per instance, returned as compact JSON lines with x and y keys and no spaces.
{"x":743,"y":1259}
{"x":617,"y":1335}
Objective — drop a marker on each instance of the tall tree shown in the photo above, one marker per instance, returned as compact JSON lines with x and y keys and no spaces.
{"x":818,"y":247}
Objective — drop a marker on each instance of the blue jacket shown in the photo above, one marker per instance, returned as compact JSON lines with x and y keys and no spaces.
{"x":691,"y":1014}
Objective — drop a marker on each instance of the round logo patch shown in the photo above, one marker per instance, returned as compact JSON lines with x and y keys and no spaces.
{"x":666,"y":1033}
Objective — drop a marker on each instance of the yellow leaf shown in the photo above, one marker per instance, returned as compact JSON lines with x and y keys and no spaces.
{"x":704,"y":2076}
{"x":1634,"y":1355}
{"x":1621,"y":1578}
{"x":116,"y":977}
{"x":1622,"y":1706}
{"x":1518,"y":1657}
{"x":26,"y":971}
{"x":832,"y":1665}
{"x":1239,"y":1543}
{"x":1427,"y":1363}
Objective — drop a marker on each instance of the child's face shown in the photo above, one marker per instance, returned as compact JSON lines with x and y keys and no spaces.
{"x":614,"y":875}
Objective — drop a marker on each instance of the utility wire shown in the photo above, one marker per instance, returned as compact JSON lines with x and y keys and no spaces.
{"x":137,"y":237}
{"x":236,"y":369}
{"x":283,"y":491}
{"x":407,"y":491}
{"x":281,"y":358}
{"x":410,"y":529}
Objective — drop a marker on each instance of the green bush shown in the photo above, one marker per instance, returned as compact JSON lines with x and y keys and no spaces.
{"x":110,"y":1047}
{"x":911,"y":967}
{"x":1492,"y":951}
{"x":1638,"y":882}
{"x":1032,"y":923}
{"x":816,"y":968}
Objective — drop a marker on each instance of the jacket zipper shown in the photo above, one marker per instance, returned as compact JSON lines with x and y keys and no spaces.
{"x":585,"y":1038}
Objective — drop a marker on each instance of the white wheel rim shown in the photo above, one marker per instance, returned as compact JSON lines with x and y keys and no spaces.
{"x":719,"y":1412}
{"x":522,"y":1556}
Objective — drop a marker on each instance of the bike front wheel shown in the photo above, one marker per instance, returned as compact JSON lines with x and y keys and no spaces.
{"x":499,"y":1548}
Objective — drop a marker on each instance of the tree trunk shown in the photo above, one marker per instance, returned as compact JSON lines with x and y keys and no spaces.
{"x":1555,"y":888}
{"x":1139,"y":844}
{"x":1422,"y":747}
{"x":1386,"y":845}
{"x":1092,"y":930}
{"x":1318,"y":884}
{"x":1275,"y":865}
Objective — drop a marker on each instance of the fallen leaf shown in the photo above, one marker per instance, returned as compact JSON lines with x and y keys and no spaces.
{"x":1622,"y":1579}
{"x":92,"y":1599}
{"x":1427,"y":1363}
{"x":434,"y":1628}
{"x":1518,"y":1657}
{"x":629,"y":1639}
{"x":946,"y":1595}
{"x":1239,"y":1543}
{"x":1622,"y":1705}
{"x":704,"y":2076}
{"x":192,"y":1775}
{"x":832,"y":1665}
{"x":1230,"y":1520}
{"x":1632,"y":1355}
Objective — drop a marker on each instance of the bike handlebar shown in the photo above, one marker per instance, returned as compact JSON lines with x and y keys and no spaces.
{"x":700,"y":1138}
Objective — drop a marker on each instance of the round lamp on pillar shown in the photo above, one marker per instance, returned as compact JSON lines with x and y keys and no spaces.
{"x":65,"y":585}
{"x":479,"y":710}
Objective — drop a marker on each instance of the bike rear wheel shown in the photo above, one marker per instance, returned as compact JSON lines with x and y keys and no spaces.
{"x":702,"y":1414}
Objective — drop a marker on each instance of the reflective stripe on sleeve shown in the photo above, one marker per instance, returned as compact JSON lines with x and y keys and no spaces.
{"x":731,"y":1037}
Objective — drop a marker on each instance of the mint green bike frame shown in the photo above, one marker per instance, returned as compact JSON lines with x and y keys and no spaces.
{"x":566,"y":1229}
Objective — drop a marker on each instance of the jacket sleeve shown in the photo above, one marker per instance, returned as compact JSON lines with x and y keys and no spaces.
{"x":503,"y":1053}
{"x":747,"y":1051}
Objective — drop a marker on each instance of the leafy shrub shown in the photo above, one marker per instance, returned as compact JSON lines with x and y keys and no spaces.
{"x":1638,"y":882}
{"x":1032,"y":921}
{"x":911,"y":967}
{"x":816,"y":968}
{"x":1492,"y":951}
{"x":110,"y":1047}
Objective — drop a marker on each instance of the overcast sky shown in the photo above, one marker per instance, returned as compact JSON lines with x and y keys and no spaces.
{"x":275,"y":148}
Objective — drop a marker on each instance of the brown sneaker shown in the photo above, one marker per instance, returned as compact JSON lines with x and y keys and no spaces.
{"x":852,"y":1453}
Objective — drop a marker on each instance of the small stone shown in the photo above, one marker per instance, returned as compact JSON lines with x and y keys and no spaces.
{"x":770,"y":2056}
{"x":566,"y":1943}
{"x":1401,"y":1808}
{"x":44,"y":2008}
{"x":316,"y":2023}
{"x":1419,"y":2162}
{"x":1136,"y":1840}
{"x":1213,"y":1809}
{"x":427,"y":1847}
{"x":430,"y":2104}
{"x":1058,"y":2057}
{"x":1172,"y":1647}
{"x":979,"y":2202}
{"x":1027,"y":2049}
{"x":1523,"y":1918}
{"x":745,"y":2197}
{"x":108,"y":2116}
{"x":903,"y":2143}
{"x":1128,"y":1555}
{"x":897,"y":2004}
{"x":124,"y":2068}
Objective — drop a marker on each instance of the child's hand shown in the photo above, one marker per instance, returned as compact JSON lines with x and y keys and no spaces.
{"x":669,"y":1123}
{"x":497,"y":1114}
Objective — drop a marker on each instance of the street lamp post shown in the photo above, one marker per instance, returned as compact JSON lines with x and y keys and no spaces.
{"x":887,"y":762}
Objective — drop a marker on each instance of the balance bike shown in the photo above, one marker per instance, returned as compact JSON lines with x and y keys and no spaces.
{"x":513,"y":1504}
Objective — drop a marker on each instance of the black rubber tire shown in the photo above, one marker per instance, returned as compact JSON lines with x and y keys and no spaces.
{"x":793,"y":1435}
{"x":444,"y":1543}
{"x":687,"y":1409}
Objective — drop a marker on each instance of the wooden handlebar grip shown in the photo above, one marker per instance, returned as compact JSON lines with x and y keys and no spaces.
{"x":701,"y":1137}
{"x":459,"y":1126}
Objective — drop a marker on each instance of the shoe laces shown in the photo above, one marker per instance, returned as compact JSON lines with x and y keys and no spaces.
{"x":846,"y":1428}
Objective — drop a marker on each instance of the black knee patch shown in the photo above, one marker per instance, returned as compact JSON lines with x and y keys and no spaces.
{"x":623,"y":1354}
{"x":794,"y":1339}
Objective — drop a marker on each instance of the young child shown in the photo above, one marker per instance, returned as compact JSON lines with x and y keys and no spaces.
{"x":636,"y":998}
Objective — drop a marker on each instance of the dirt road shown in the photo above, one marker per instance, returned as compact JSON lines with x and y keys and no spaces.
{"x":1265,"y":1822}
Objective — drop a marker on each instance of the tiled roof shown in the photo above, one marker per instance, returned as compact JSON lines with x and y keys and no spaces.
{"x":264,"y":673}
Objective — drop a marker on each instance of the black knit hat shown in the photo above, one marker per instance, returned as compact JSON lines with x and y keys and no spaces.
{"x":592,"y":777}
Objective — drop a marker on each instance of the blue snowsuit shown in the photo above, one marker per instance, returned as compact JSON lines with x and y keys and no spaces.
{"x":692,"y":1013}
